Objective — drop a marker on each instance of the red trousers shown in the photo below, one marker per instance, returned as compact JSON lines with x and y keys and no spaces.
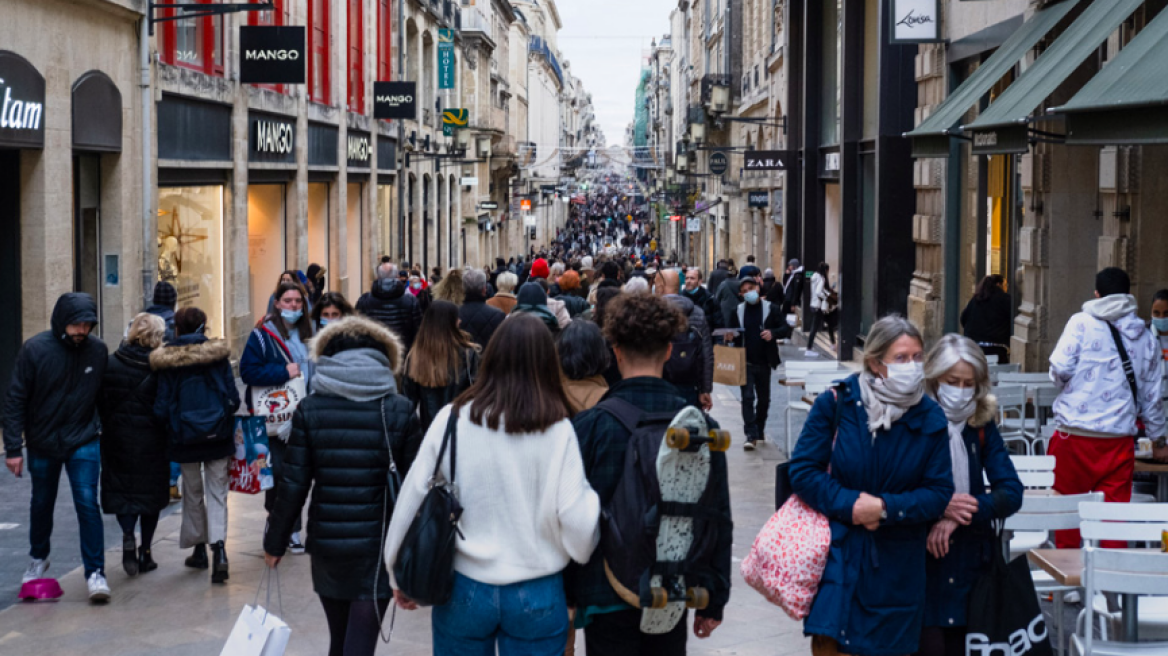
{"x":1092,"y":464}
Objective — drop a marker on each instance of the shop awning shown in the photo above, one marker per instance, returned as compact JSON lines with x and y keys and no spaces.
{"x":1127,"y":101}
{"x":1003,"y":127}
{"x":931,"y":138}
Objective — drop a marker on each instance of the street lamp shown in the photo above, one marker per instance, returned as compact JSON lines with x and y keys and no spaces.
{"x":463,"y":139}
{"x":682,"y":161}
{"x":697,"y":132}
{"x":719,"y":98}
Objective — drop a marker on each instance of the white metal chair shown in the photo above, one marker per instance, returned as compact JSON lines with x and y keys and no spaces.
{"x":1045,"y":514}
{"x":1019,"y":378}
{"x":1012,"y":415}
{"x":1004,"y":368}
{"x":1036,"y":472}
{"x":1129,"y":573}
{"x":815,"y":383}
{"x":796,"y":372}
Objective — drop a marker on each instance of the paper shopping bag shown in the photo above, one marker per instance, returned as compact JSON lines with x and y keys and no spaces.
{"x":257,"y":633}
{"x":730,"y":365}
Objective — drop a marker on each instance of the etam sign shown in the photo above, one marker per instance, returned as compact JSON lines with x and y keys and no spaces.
{"x":22,"y":103}
{"x":272,"y":55}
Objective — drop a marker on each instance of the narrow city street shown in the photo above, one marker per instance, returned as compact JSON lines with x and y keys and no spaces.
{"x":176,"y":611}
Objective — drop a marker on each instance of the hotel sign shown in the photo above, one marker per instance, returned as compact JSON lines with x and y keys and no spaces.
{"x":915,"y":21}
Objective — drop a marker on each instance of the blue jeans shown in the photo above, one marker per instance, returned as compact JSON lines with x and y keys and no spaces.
{"x":524,"y":619}
{"x":84,"y":469}
{"x":175,"y":472}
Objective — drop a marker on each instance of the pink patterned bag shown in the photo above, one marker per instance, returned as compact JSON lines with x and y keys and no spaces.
{"x":786,"y":562}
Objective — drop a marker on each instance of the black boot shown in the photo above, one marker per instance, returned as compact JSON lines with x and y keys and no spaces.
{"x":129,"y":554}
{"x":198,"y":558}
{"x":218,"y":563}
{"x":145,"y":561}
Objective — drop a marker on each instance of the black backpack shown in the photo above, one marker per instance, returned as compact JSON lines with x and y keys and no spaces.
{"x":684,"y":367}
{"x":202,"y":414}
{"x":630,"y":520}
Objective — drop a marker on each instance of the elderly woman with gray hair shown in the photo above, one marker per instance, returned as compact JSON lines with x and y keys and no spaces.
{"x":960,"y":543}
{"x":874,"y":459}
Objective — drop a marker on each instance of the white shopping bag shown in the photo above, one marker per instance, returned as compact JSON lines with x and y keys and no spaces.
{"x":257,"y":633}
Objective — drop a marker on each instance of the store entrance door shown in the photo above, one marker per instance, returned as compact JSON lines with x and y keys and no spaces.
{"x":10,"y":318}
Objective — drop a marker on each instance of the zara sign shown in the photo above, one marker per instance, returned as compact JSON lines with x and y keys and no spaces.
{"x":22,"y":103}
{"x":272,"y":55}
{"x":915,"y":21}
{"x":766,"y":160}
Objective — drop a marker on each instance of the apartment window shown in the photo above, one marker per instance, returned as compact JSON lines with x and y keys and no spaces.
{"x":195,"y":43}
{"x":318,"y":48}
{"x":275,"y":17}
{"x":384,"y":40}
{"x":356,"y":76}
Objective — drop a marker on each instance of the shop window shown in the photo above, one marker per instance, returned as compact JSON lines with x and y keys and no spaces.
{"x":87,"y":226}
{"x":318,"y":225}
{"x":266,"y":246}
{"x":318,"y":49}
{"x":190,"y":249}
{"x":194,"y":42}
{"x":280,"y":15}
{"x":355,"y":267}
{"x":384,"y":40}
{"x":356,"y":67}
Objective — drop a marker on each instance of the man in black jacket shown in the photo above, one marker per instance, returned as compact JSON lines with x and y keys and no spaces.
{"x":500,"y":267}
{"x":760,"y":326}
{"x":475,"y":316}
{"x":793,"y":287}
{"x":52,"y":405}
{"x":390,"y":304}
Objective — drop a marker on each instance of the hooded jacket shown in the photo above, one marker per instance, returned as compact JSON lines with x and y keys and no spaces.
{"x":135,"y":471}
{"x":533,"y":300}
{"x":338,"y":449}
{"x":389,"y":304}
{"x":479,"y":319}
{"x":697,"y":320}
{"x":194,"y":355}
{"x":1095,"y":398}
{"x":52,"y":398}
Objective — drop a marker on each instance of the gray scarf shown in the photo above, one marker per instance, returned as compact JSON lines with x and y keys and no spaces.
{"x":884,"y":404}
{"x":958,"y":418}
{"x":357,"y":374}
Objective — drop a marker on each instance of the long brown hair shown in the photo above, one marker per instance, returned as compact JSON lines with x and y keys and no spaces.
{"x":518,"y":381}
{"x":304,"y":326}
{"x":440,"y":347}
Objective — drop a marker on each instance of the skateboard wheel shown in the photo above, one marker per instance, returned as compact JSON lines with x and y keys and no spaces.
{"x":677,"y":438}
{"x":659,"y":598}
{"x":698,"y":598}
{"x":719,"y":440}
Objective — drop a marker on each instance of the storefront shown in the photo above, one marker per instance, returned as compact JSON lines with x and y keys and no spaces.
{"x":192,"y":202}
{"x":271,"y":170}
{"x":387,"y":211}
{"x":322,"y":175}
{"x":360,"y":161}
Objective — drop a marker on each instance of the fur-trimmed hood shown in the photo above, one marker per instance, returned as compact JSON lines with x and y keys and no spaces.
{"x":363,"y":333}
{"x":987,"y":411}
{"x":190,"y":351}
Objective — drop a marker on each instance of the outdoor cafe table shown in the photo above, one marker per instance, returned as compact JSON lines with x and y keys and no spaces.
{"x":1161,"y":471}
{"x":1066,"y":567}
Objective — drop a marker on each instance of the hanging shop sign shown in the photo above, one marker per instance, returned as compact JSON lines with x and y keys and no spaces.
{"x":445,"y":58}
{"x":454,"y":119}
{"x":766,"y":160}
{"x":693,"y":224}
{"x":759,"y":198}
{"x":273,"y":139}
{"x":1001,"y":141}
{"x":719,"y":163}
{"x":469,"y":182}
{"x":360,"y":150}
{"x":272,"y":54}
{"x":525,"y":204}
{"x":915,"y":21}
{"x":395,"y":100}
{"x":22,"y":103}
{"x":489,"y":205}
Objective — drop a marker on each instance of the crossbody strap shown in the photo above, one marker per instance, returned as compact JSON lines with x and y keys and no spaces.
{"x":1128,"y":369}
{"x":451,"y":438}
{"x":283,"y":348}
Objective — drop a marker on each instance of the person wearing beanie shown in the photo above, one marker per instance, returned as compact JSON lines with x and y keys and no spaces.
{"x":163,"y":305}
{"x":539,"y":269}
{"x":532,"y":299}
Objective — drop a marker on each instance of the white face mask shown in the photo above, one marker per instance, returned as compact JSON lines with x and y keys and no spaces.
{"x":904,"y":377}
{"x":955,"y":400}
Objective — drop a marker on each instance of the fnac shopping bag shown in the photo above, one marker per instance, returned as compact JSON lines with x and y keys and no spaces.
{"x":730,"y":365}
{"x":257,"y":633}
{"x":1004,"y":612}
{"x":250,"y":470}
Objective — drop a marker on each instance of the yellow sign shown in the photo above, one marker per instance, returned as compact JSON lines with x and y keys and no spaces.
{"x":653,"y":245}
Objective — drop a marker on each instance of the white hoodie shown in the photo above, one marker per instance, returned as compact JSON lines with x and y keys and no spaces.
{"x":1085,"y":365}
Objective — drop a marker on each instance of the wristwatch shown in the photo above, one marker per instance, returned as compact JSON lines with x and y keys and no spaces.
{"x":883,"y":510}
{"x":1160,"y":442}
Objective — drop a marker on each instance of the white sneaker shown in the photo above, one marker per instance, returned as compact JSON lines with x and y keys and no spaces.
{"x":810,"y":354}
{"x":36,"y":570}
{"x":295,"y":545}
{"x":98,"y":588}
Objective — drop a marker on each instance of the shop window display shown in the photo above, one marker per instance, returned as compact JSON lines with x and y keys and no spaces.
{"x":190,"y":249}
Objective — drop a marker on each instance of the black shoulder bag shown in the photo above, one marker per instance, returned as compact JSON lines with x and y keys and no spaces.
{"x":1129,"y":370}
{"x":783,"y":490}
{"x":425,"y":561}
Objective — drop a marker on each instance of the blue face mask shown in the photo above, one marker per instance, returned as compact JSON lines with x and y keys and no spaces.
{"x":751,"y":297}
{"x":291,"y":316}
{"x":1160,"y":324}
{"x":324,"y":322}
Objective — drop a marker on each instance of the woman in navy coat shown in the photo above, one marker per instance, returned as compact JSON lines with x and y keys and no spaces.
{"x":882,"y":484}
{"x":961,"y":543}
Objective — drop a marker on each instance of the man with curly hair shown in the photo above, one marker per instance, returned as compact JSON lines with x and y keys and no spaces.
{"x":640,"y":327}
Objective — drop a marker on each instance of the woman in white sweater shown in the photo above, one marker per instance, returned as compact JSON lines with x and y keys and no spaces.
{"x":528,"y":508}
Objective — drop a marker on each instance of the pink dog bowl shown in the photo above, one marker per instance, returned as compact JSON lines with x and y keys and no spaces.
{"x":41,"y":590}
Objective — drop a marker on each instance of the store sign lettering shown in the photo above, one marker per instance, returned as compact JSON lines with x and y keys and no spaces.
{"x":359,"y":149}
{"x":395,"y":100}
{"x":915,"y":21}
{"x":22,"y":103}
{"x":911,"y":19}
{"x":269,"y":55}
{"x":1020,"y":641}
{"x":20,"y":114}
{"x":766,"y":160}
{"x":274,"y":137}
{"x":985,"y":139}
{"x":272,"y":54}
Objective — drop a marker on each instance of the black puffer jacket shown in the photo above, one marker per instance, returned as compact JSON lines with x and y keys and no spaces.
{"x":338,"y":450}
{"x":574,"y":304}
{"x":479,"y":319}
{"x":698,"y":321}
{"x":52,"y":399}
{"x":427,"y":401}
{"x":135,"y":470}
{"x":391,"y":305}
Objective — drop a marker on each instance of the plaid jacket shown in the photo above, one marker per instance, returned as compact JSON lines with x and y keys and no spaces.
{"x":602,"y":445}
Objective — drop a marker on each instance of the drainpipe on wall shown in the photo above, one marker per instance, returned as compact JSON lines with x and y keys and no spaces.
{"x":149,"y":233}
{"x":401,"y":138}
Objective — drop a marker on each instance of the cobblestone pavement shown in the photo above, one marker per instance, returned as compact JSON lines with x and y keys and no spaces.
{"x":175,"y":610}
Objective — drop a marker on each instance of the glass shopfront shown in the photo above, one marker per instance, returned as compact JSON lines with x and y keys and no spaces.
{"x":354,"y":242}
{"x":266,"y":242}
{"x":318,"y":227}
{"x":190,"y":249}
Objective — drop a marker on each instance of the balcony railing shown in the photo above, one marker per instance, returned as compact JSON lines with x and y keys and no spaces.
{"x":473,"y":20}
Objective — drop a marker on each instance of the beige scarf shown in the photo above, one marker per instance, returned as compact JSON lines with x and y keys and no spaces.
{"x":884,"y":402}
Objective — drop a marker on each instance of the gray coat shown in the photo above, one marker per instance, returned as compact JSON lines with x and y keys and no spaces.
{"x":697,"y":319}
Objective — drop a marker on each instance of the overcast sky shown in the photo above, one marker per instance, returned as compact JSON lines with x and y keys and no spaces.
{"x":605,"y":41}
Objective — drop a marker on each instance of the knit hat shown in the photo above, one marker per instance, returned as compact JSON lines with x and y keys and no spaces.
{"x":749,"y":271}
{"x":165,"y":294}
{"x":531,"y":294}
{"x":539,"y":268}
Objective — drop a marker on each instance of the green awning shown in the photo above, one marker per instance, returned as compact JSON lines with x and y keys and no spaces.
{"x":1127,"y":101}
{"x":931,"y":137}
{"x":1003,"y":126}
